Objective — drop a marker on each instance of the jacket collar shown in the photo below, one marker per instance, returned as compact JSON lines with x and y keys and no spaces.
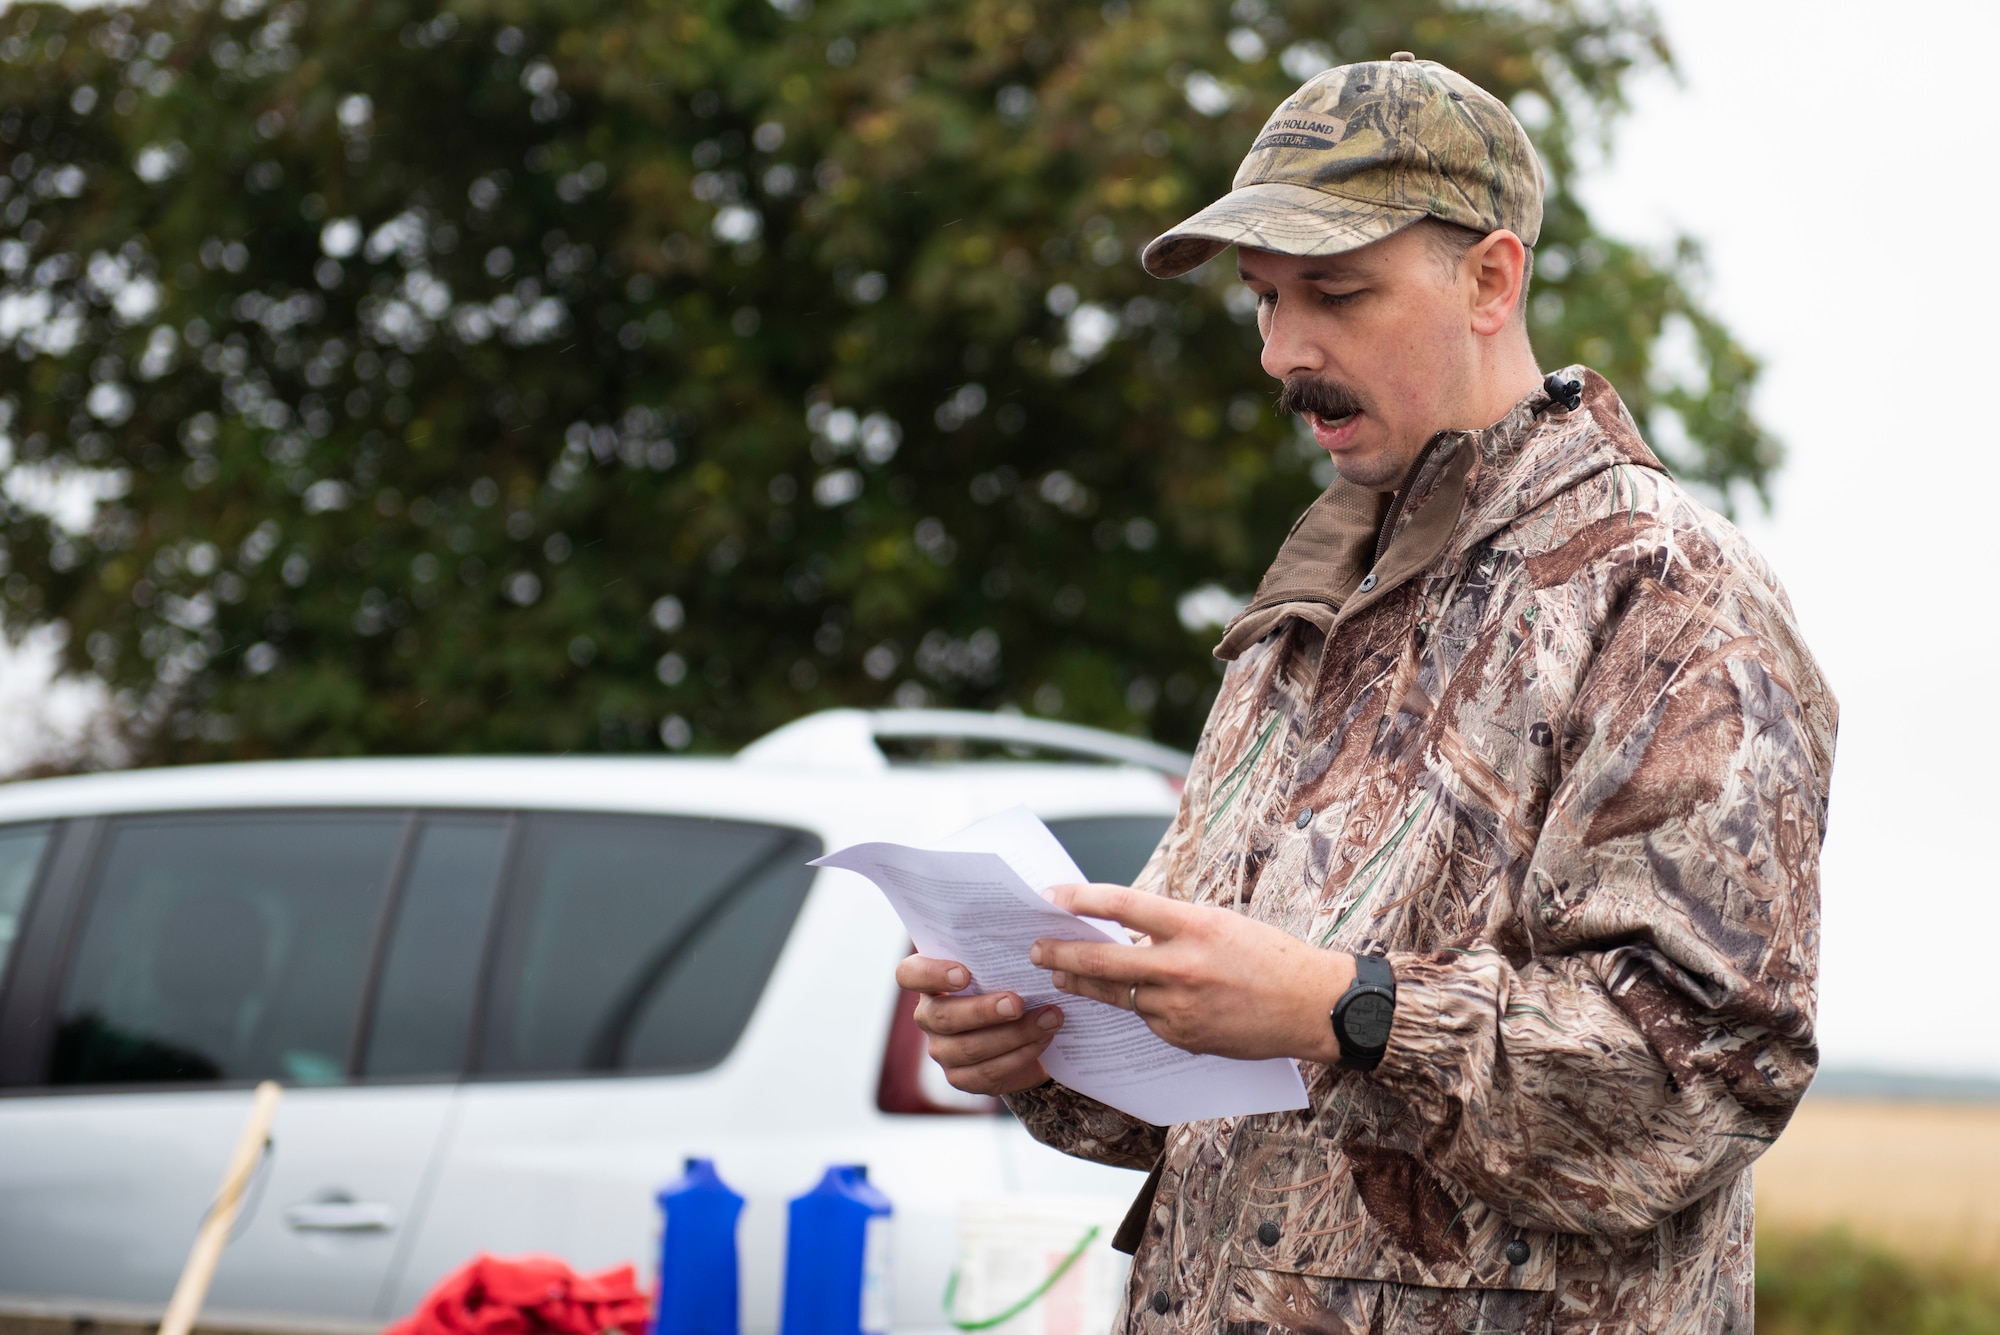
{"x":1465,"y":487}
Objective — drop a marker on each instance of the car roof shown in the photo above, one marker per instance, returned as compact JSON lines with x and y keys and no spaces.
{"x":841,"y":793}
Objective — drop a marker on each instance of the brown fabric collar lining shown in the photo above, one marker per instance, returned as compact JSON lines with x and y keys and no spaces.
{"x":1319,"y":570}
{"x":1317,"y":573}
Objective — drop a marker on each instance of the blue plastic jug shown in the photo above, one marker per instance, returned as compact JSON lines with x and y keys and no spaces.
{"x":837,"y":1257}
{"x":698,"y":1288}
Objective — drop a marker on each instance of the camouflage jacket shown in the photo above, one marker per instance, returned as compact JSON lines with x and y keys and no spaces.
{"x":1543,"y":731}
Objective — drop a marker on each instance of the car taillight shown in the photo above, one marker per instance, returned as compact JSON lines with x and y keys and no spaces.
{"x":913,"y":1083}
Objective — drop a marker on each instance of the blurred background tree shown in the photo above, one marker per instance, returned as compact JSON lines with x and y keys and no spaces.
{"x":1832,"y":1283}
{"x":526,"y":376}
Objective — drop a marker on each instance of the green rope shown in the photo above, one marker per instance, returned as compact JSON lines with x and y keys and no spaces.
{"x":951,"y":1289}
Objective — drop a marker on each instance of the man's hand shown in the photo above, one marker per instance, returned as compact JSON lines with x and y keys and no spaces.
{"x":1209,"y":980}
{"x":984,"y":1043}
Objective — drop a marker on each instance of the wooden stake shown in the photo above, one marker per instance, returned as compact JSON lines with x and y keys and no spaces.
{"x":214,"y":1232}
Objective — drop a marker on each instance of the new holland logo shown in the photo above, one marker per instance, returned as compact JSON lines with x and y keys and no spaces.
{"x":1300,"y":132}
{"x":1289,"y":139}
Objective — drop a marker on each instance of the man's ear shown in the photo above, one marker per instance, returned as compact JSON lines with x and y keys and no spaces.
{"x":1496,"y":270}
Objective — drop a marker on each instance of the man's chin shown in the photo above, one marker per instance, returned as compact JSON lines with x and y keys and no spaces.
{"x":1371,"y":470}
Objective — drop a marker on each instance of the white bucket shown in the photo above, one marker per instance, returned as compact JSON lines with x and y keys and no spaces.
{"x":1028,"y":1256}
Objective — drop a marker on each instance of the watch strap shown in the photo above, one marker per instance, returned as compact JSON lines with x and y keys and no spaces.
{"x":1373,"y":971}
{"x":1372,"y":974}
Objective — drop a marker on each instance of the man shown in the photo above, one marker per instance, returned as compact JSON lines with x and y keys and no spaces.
{"x":1505,"y":824}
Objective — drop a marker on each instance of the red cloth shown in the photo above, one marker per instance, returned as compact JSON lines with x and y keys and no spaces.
{"x":529,"y":1295}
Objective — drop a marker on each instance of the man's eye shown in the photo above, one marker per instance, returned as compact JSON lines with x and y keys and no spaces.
{"x":1267,"y":298}
{"x":1337,"y":298}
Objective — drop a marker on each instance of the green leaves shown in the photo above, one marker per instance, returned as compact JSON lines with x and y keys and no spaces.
{"x":1830,"y":1283}
{"x":418,"y":354}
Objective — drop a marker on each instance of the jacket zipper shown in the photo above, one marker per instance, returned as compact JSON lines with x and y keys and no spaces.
{"x":1381,"y":536}
{"x":1402,"y":495}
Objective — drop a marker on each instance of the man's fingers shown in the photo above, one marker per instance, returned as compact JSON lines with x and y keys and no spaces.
{"x":1154,"y":915}
{"x":960,"y":1015}
{"x":1096,"y":959}
{"x":977,"y":1046}
{"x":1003,"y":1075}
{"x":1097,"y":989}
{"x":920,"y":973}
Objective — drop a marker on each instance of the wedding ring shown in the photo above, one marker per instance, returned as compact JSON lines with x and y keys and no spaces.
{"x":1133,"y":997}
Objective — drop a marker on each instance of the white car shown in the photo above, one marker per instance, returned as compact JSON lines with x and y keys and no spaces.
{"x":507,"y":997}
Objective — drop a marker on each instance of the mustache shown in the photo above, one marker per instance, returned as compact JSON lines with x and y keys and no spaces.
{"x":1324,"y":398}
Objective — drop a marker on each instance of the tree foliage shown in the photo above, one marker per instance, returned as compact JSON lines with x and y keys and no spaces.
{"x":1832,"y":1283}
{"x":524,"y":376}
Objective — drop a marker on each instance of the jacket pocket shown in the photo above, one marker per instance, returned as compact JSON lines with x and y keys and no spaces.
{"x":1356,"y":1210}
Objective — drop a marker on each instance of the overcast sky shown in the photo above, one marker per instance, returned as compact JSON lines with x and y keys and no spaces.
{"x":1838,"y":161}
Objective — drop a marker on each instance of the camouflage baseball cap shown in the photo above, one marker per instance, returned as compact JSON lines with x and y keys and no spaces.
{"x":1362,"y":151}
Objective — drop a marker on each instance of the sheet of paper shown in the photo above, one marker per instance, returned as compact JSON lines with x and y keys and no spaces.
{"x":1018,"y":837}
{"x":976,"y":901}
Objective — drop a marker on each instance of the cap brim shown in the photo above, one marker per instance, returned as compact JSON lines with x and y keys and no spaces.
{"x":1275,"y":216}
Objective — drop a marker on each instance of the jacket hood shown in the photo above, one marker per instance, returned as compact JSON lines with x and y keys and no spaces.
{"x":1465,"y":487}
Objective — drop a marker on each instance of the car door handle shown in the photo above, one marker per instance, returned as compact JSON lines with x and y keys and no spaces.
{"x":340,"y":1217}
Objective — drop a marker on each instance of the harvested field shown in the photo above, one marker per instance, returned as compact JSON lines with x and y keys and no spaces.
{"x":1921,"y":1179}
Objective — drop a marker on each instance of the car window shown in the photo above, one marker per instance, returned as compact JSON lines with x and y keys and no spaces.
{"x":639,"y":943}
{"x":1110,"y":850}
{"x":227,"y":947}
{"x":20,"y":858}
{"x":430,"y":973}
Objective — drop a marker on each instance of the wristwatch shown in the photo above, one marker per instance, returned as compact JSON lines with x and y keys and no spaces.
{"x":1362,"y":1016}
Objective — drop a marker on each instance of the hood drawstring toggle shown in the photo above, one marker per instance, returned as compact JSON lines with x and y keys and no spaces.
{"x":1569,"y":393}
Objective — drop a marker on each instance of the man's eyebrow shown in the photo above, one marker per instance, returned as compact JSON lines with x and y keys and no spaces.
{"x":1337,"y":271}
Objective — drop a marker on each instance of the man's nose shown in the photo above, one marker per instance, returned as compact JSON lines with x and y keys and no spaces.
{"x":1289,"y":348}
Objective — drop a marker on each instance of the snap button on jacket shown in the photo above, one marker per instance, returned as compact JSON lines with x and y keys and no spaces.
{"x":1568,"y":761}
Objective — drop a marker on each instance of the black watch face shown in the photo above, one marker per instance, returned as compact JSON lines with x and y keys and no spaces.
{"x":1366,"y":1020}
